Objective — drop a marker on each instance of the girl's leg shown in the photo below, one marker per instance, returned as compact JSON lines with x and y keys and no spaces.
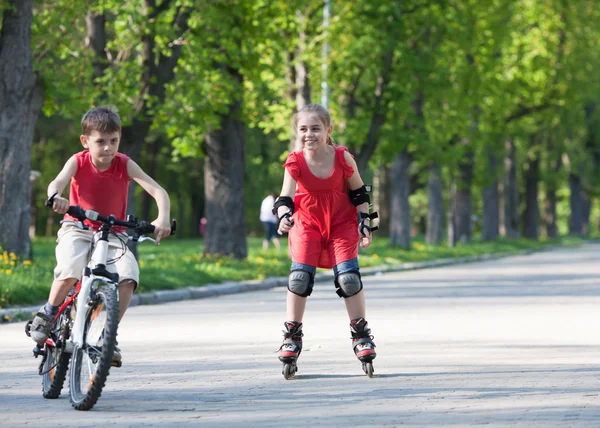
{"x":355,"y":306}
{"x":362,"y":341}
{"x":295,"y":305}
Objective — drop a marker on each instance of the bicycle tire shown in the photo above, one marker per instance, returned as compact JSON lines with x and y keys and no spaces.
{"x":53,"y":378}
{"x":105,"y":297}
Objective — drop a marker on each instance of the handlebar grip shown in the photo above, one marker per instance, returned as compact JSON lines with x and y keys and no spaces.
{"x":145,"y":228}
{"x":77,"y":212}
{"x":50,"y":201}
{"x":173,"y":226}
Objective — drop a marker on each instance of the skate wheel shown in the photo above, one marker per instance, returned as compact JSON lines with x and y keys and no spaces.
{"x":289,"y":371}
{"x":368,"y":368}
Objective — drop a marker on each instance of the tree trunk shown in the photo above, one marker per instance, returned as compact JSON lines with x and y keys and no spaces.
{"x":532,"y":212}
{"x":399,"y":205}
{"x":576,"y":205}
{"x":224,"y":187}
{"x":435,"y":206}
{"x":452,"y":234}
{"x":586,"y":209}
{"x":550,"y":203}
{"x":381,"y":198}
{"x":550,"y":214}
{"x":297,"y":74}
{"x":463,"y":196}
{"x":21,"y":96}
{"x":491,"y":202}
{"x":511,"y":191}
{"x":96,"y":41}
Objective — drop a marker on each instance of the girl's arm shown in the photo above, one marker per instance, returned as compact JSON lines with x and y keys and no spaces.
{"x":288,"y":190}
{"x":355,"y":182}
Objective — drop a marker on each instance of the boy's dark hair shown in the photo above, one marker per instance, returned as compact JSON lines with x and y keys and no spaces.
{"x":103,"y":119}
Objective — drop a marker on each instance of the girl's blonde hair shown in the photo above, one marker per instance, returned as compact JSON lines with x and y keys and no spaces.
{"x":321,"y":113}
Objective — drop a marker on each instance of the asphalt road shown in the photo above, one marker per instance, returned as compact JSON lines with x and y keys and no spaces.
{"x":510,"y":342}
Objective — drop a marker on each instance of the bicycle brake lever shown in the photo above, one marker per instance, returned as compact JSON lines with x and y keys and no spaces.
{"x":144,"y":238}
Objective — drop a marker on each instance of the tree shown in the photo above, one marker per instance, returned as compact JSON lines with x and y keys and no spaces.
{"x":21,"y":95}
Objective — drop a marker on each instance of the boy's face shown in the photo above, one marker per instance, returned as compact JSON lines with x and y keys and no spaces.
{"x":103,"y":147}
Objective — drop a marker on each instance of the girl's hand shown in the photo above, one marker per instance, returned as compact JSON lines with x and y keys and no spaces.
{"x":366,"y":240}
{"x":285,"y":225}
{"x":162,"y":229}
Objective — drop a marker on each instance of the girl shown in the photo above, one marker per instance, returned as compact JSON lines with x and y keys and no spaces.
{"x":321,"y":198}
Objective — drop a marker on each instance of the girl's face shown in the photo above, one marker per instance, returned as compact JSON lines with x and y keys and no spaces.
{"x":311,"y":131}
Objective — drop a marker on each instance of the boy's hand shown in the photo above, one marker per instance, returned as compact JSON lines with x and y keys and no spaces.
{"x":162,"y":229}
{"x":60,"y":205}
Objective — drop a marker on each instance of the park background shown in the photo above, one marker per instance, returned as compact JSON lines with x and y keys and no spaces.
{"x":476,"y":122}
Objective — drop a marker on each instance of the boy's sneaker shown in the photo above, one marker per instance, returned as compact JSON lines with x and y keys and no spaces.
{"x":116,"y":359}
{"x":40,"y":328}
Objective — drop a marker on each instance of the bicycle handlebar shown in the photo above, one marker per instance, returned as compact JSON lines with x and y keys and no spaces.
{"x":141,"y":227}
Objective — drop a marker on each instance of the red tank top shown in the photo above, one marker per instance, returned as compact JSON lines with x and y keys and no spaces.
{"x":326,"y":228}
{"x":102,"y":191}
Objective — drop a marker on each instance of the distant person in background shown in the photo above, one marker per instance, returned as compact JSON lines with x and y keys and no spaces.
{"x":270,"y":221}
{"x":202,"y":227}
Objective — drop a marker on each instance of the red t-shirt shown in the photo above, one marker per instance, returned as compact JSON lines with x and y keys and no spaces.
{"x":102,"y":191}
{"x":325,"y":232}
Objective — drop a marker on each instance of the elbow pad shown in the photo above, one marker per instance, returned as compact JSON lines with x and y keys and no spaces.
{"x":359,"y":196}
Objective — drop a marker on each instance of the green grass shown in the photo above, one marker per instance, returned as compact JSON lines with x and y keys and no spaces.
{"x":179,"y":263}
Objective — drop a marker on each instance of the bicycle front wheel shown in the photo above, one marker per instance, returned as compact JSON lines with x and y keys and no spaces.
{"x":56,"y":361}
{"x":91,"y":361}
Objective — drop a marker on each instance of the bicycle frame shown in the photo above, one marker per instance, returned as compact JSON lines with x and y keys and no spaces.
{"x":97,"y":264}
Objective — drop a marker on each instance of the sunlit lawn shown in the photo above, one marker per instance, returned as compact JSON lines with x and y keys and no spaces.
{"x":179,"y":263}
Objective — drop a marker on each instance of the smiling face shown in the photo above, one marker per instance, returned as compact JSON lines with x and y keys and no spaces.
{"x":311,"y":132}
{"x":103,"y":147}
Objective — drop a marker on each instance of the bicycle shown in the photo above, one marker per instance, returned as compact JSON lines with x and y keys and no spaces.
{"x":87,"y":337}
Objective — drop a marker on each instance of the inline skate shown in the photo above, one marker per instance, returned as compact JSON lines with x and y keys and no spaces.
{"x":291,"y":348}
{"x":363,"y":345}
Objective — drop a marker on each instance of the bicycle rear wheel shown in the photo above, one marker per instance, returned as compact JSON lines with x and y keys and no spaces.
{"x":56,"y":361}
{"x":91,"y":361}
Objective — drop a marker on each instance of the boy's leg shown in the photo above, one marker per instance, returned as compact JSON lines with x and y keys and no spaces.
{"x":128,"y":269}
{"x":43,"y":320}
{"x":126,"y":289}
{"x":60,"y":289}
{"x":71,"y":257}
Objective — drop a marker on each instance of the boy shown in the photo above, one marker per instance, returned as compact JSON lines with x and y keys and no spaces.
{"x":99,"y":180}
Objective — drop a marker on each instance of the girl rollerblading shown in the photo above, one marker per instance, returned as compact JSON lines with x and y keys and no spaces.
{"x":324,"y":205}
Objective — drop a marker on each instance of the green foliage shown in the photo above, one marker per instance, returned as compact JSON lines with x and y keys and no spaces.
{"x":484,"y":71}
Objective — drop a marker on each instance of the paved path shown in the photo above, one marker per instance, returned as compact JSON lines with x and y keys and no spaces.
{"x":511,"y":342}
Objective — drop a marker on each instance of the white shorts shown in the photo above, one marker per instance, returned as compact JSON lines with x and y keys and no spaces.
{"x":72,"y":255}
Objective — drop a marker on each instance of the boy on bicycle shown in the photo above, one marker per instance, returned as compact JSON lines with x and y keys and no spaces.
{"x":99,"y":180}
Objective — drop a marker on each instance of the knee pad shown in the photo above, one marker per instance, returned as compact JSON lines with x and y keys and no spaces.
{"x":348,"y":284}
{"x":301,"y":282}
